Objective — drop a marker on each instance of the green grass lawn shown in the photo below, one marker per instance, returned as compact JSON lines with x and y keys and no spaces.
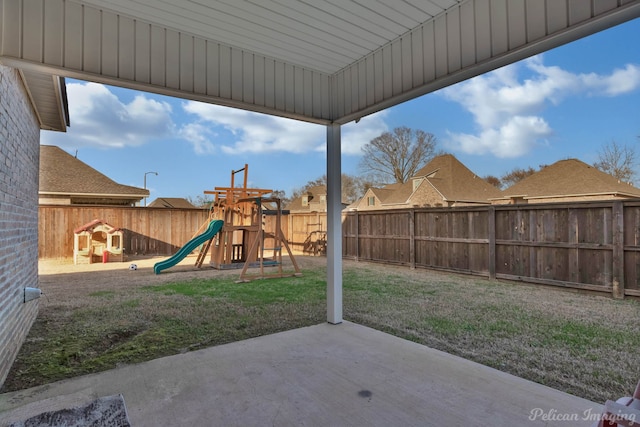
{"x":583,"y":344}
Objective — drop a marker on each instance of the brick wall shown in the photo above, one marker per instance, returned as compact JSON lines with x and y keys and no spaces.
{"x":19,"y":165}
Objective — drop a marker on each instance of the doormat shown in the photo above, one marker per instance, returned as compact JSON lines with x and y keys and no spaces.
{"x":108,"y":411}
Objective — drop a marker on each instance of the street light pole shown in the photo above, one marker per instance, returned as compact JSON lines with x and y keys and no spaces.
{"x":145,"y":184}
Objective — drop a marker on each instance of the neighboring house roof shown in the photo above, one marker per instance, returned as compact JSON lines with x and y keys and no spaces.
{"x":171,"y":202}
{"x":456,"y":182}
{"x":315,"y":200}
{"x":313,"y":194}
{"x":448,"y":176}
{"x":393,"y":194}
{"x":381,"y":194}
{"x":569,"y":178}
{"x":63,"y":174}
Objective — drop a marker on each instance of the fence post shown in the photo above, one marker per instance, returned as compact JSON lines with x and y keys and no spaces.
{"x":572,"y":239}
{"x":357,"y":244}
{"x":412,"y":239}
{"x":492,"y":241}
{"x":617,"y":276}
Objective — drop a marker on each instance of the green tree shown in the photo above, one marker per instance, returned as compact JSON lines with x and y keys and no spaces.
{"x":396,"y":156}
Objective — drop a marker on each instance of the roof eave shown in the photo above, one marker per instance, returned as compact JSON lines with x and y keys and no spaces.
{"x":119,"y":196}
{"x":604,"y":193}
{"x":48,"y":97}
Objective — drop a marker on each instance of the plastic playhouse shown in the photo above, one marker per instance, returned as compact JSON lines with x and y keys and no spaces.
{"x":97,"y":241}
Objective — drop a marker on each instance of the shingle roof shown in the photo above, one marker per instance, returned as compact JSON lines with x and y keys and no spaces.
{"x":171,"y":202}
{"x":570,"y":177}
{"x":314,"y":194}
{"x":453,"y":180}
{"x":456,"y":182}
{"x":387,"y":192}
{"x":395,"y":193}
{"x":61,"y":173}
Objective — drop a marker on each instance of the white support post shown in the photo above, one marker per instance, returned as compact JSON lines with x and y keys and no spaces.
{"x":334,"y":225}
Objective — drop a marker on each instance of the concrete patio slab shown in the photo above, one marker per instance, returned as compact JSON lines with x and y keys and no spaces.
{"x":323,"y":375}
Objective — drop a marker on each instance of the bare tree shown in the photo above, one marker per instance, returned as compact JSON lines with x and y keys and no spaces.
{"x":516,"y":175}
{"x":200,"y":201}
{"x":493,"y":180}
{"x":280,"y":194}
{"x":617,"y":160}
{"x":396,"y":156}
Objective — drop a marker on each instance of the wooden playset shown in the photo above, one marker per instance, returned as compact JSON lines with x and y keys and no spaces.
{"x":97,"y":241}
{"x":251,"y":235}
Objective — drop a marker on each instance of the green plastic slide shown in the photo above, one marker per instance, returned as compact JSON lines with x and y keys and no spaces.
{"x":213,"y":229}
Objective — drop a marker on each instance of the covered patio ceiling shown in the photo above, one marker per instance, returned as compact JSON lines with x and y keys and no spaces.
{"x":321,"y":61}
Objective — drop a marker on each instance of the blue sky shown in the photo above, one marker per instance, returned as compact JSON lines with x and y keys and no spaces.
{"x":565,"y":103}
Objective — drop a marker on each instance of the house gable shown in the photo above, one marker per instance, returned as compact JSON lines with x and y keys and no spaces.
{"x":387,"y":197}
{"x":442,"y":182}
{"x":312,"y":200}
{"x":457,"y":184}
{"x":426,"y":195}
{"x":369,"y":201}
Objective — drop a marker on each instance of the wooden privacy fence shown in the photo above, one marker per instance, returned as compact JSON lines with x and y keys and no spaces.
{"x":147,"y":231}
{"x":590,"y":245}
{"x":159,"y":231}
{"x":587,"y":245}
{"x":307,"y":232}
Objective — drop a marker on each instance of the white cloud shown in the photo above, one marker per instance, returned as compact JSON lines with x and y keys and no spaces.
{"x":200,"y":137}
{"x":515,"y":138}
{"x":262,"y":133}
{"x":100,"y":119}
{"x":507,"y":111}
{"x":356,"y":135}
{"x":619,"y":82}
{"x":254,"y":132}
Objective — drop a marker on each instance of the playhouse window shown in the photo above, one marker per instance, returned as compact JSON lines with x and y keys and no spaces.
{"x":115,"y":242}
